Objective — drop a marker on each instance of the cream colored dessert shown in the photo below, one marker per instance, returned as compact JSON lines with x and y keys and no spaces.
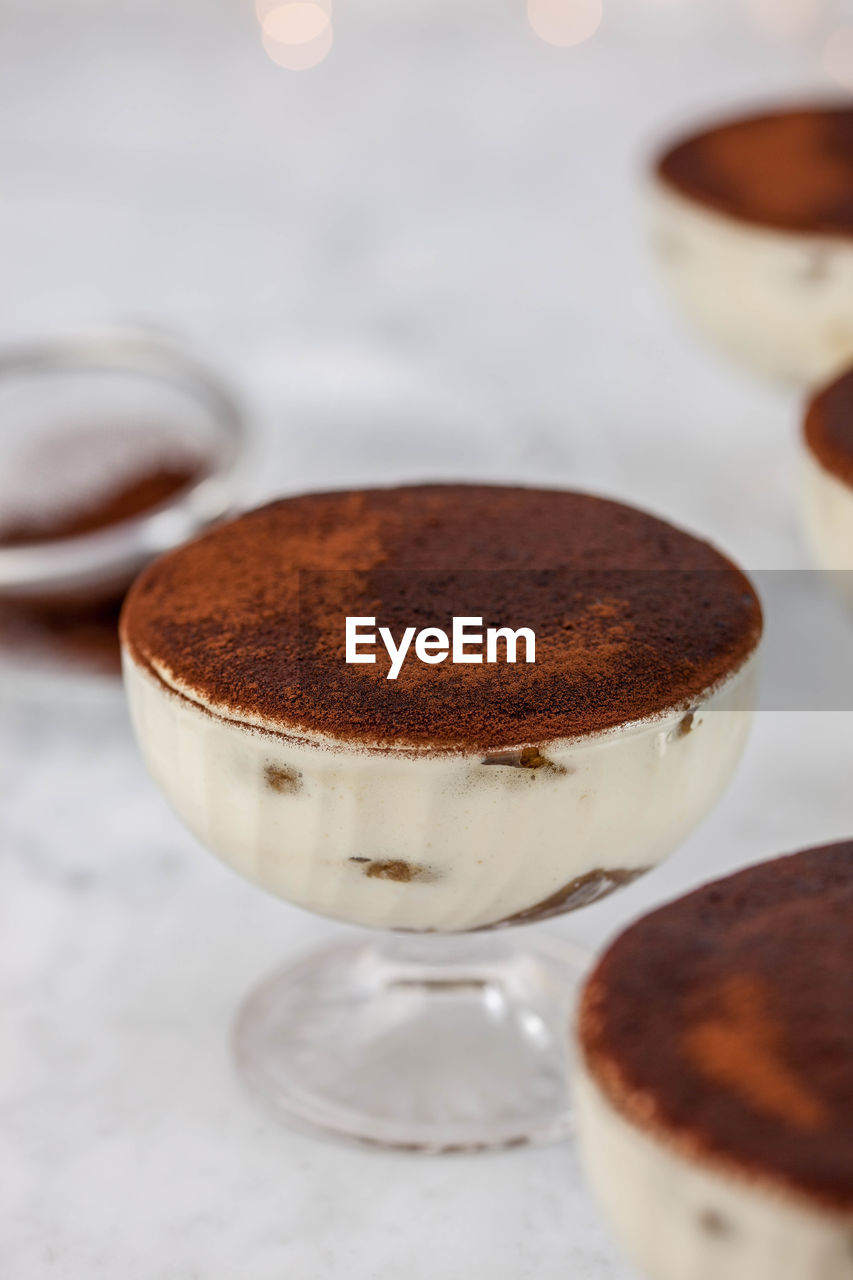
{"x":752,"y":225}
{"x":455,"y":797}
{"x":713,"y":1099}
{"x":425,"y":840}
{"x":827,"y":481}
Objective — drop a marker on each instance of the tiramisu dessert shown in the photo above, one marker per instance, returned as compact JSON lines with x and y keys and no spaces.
{"x":753,"y":225}
{"x":441,"y":792}
{"x":436,"y":710}
{"x":715,"y":1097}
{"x":827,"y":479}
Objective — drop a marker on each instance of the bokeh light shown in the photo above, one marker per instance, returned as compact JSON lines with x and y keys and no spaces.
{"x":263,"y":8}
{"x":564,"y":22}
{"x":838,"y":56}
{"x":297,"y":35}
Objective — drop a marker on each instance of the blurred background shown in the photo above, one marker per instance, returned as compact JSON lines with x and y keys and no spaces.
{"x":411,"y":236}
{"x":425,"y":252}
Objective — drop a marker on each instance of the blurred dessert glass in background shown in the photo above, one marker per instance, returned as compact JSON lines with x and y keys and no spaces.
{"x":715,"y":1087}
{"x":753,"y":227}
{"x":114,"y":446}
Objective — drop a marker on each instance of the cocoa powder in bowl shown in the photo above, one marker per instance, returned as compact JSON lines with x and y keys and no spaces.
{"x":80,"y":629}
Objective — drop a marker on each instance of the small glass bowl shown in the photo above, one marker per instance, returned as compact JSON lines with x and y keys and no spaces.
{"x":124,"y":380}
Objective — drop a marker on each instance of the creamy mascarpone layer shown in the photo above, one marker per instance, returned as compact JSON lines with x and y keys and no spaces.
{"x":680,"y":1219}
{"x":426,"y":840}
{"x":780,"y":301}
{"x":826,"y":504}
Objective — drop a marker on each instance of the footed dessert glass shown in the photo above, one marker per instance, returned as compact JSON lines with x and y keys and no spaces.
{"x":444,"y":799}
{"x":447,"y":1031}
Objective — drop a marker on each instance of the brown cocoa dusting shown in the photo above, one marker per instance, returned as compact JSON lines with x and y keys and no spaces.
{"x":739,"y":1047}
{"x":632,"y":616}
{"x":579,"y":892}
{"x":283,"y":780}
{"x":791,"y":170}
{"x":829,"y":427}
{"x":722,"y":1021}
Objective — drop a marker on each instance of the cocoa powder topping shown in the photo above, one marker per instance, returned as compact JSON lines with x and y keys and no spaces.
{"x":632,"y":617}
{"x":792,"y":170}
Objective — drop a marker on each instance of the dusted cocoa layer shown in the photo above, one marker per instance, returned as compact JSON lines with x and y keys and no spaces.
{"x":829,"y":427}
{"x":721,"y":1023}
{"x":632,"y":616}
{"x":791,"y":170}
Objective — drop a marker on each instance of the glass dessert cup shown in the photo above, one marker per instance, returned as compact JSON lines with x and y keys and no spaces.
{"x":753,"y":233}
{"x":447,"y":1032}
{"x":755,"y":293}
{"x":699,"y":1173}
{"x":60,"y":589}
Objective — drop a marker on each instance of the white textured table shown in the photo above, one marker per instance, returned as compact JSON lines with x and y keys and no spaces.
{"x":423,"y":258}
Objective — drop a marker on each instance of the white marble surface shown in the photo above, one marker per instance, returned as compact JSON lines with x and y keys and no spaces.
{"x":423,"y":258}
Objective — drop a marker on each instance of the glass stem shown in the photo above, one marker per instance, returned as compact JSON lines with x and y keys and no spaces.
{"x":442,"y":951}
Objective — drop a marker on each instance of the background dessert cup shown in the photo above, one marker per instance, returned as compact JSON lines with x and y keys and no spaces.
{"x":450,"y":802}
{"x":714,"y":1087}
{"x":752,"y":224}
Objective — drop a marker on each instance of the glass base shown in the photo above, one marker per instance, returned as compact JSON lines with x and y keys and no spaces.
{"x":423,"y":1043}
